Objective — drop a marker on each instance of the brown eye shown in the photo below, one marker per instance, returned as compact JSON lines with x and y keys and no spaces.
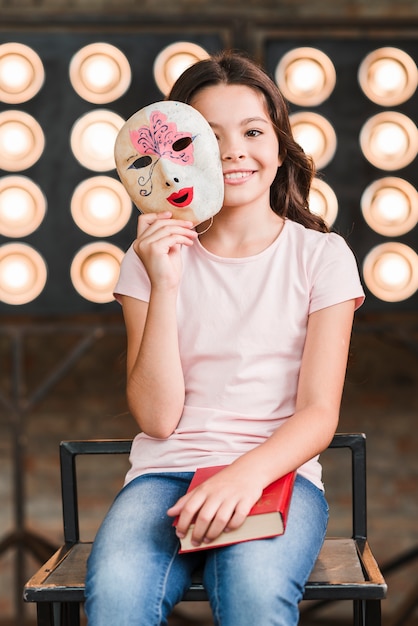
{"x":182,"y":144}
{"x":140,"y":163}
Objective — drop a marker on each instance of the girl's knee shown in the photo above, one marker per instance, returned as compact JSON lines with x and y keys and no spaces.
{"x":258,"y":605}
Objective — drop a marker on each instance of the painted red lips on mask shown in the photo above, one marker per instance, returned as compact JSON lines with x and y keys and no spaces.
{"x":181,"y":198}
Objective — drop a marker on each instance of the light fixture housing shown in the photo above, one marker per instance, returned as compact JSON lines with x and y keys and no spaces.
{"x":323,"y":201}
{"x":100,"y":73}
{"x":388,"y":76}
{"x":390,"y":206}
{"x":22,"y":206}
{"x":101,"y":206}
{"x":173,"y":60}
{"x":390,"y":271}
{"x":22,"y":73}
{"x":23,"y":273}
{"x":306,"y":76}
{"x":316,"y":135}
{"x":95,"y":270}
{"x":22,"y":140}
{"x":389,"y":140}
{"x":93,"y":138}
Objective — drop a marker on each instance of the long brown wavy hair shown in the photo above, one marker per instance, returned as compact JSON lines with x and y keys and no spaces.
{"x":289,"y":193}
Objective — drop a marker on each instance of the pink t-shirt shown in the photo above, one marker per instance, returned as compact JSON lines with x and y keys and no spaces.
{"x":242,"y":325}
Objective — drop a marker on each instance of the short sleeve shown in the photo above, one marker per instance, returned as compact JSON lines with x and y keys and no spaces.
{"x":133,"y":278}
{"x":334,"y":275}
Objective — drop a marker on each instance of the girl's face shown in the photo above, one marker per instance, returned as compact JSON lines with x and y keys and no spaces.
{"x":247,"y":141}
{"x":167,"y":158}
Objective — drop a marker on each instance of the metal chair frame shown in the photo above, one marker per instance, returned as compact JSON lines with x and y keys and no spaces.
{"x":58,"y":586}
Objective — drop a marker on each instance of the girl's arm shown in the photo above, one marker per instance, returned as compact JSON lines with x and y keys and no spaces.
{"x":155,"y":383}
{"x":225,"y":500}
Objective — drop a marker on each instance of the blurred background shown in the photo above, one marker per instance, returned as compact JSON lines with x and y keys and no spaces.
{"x":71,"y":72}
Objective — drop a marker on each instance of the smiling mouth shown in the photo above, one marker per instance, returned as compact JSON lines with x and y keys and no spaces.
{"x":181,"y":198}
{"x":237,"y":175}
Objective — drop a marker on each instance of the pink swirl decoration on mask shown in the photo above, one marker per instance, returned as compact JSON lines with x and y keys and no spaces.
{"x":158,"y":138}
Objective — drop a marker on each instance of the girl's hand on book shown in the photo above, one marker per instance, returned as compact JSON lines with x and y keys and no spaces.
{"x":219,"y":504}
{"x":158,"y":244}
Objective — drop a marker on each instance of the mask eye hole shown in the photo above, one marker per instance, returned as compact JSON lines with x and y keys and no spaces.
{"x":140,"y":163}
{"x":182,"y":144}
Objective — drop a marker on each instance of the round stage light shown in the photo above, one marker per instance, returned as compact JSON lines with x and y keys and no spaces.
{"x":22,"y":206}
{"x":323,"y":201}
{"x":22,"y":141}
{"x":388,"y":76}
{"x":93,"y":139}
{"x":101,"y":206}
{"x":316,"y":136}
{"x":306,"y":76}
{"x":173,"y":60}
{"x":390,"y":206}
{"x":21,"y":73}
{"x":95,"y":270}
{"x":23,"y":273}
{"x":100,"y":73}
{"x":390,"y":271}
{"x":389,"y":140}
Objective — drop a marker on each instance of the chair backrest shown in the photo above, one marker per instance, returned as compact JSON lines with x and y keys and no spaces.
{"x":356,"y":442}
{"x":69,"y":450}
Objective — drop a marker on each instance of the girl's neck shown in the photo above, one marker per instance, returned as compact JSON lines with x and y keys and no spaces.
{"x":234,"y":235}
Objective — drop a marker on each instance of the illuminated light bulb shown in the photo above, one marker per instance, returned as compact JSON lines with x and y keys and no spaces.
{"x":23,"y":273}
{"x":100,"y":73}
{"x":391,"y":271}
{"x":173,"y":60}
{"x":306,"y":76}
{"x":22,"y":206}
{"x":390,"y":206}
{"x":388,"y":76}
{"x":389,"y":140}
{"x":95,"y":270}
{"x":323,"y":201}
{"x":21,"y":141}
{"x":101,"y":206}
{"x":21,"y":73}
{"x":316,"y":136}
{"x":93,"y":139}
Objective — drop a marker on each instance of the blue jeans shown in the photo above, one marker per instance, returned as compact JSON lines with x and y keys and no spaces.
{"x":136,"y":576}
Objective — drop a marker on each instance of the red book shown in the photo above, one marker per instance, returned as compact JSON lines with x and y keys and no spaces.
{"x":267,"y":518}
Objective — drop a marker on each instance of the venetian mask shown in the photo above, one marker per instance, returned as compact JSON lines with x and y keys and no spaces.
{"x":167,"y":157}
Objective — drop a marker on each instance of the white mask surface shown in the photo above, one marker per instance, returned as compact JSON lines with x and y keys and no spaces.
{"x":167,"y":157}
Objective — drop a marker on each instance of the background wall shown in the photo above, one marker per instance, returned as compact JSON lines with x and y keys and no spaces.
{"x":62,"y":376}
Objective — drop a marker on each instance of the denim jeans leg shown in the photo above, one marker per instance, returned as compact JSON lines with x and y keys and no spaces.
{"x":135,"y":575}
{"x":262,"y":582}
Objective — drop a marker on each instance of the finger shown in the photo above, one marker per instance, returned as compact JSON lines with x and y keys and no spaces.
{"x":145,"y":220}
{"x":186,"y":508}
{"x":154,"y":233}
{"x":149,"y":218}
{"x":168,"y":235}
{"x":175,"y":510}
{"x":165,"y":244}
{"x":209,"y":526}
{"x":238,"y":517}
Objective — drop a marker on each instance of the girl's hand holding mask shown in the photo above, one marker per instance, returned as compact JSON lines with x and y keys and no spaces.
{"x":158,"y":243}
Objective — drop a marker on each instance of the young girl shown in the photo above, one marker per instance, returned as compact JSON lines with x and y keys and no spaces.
{"x":237,"y":348}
